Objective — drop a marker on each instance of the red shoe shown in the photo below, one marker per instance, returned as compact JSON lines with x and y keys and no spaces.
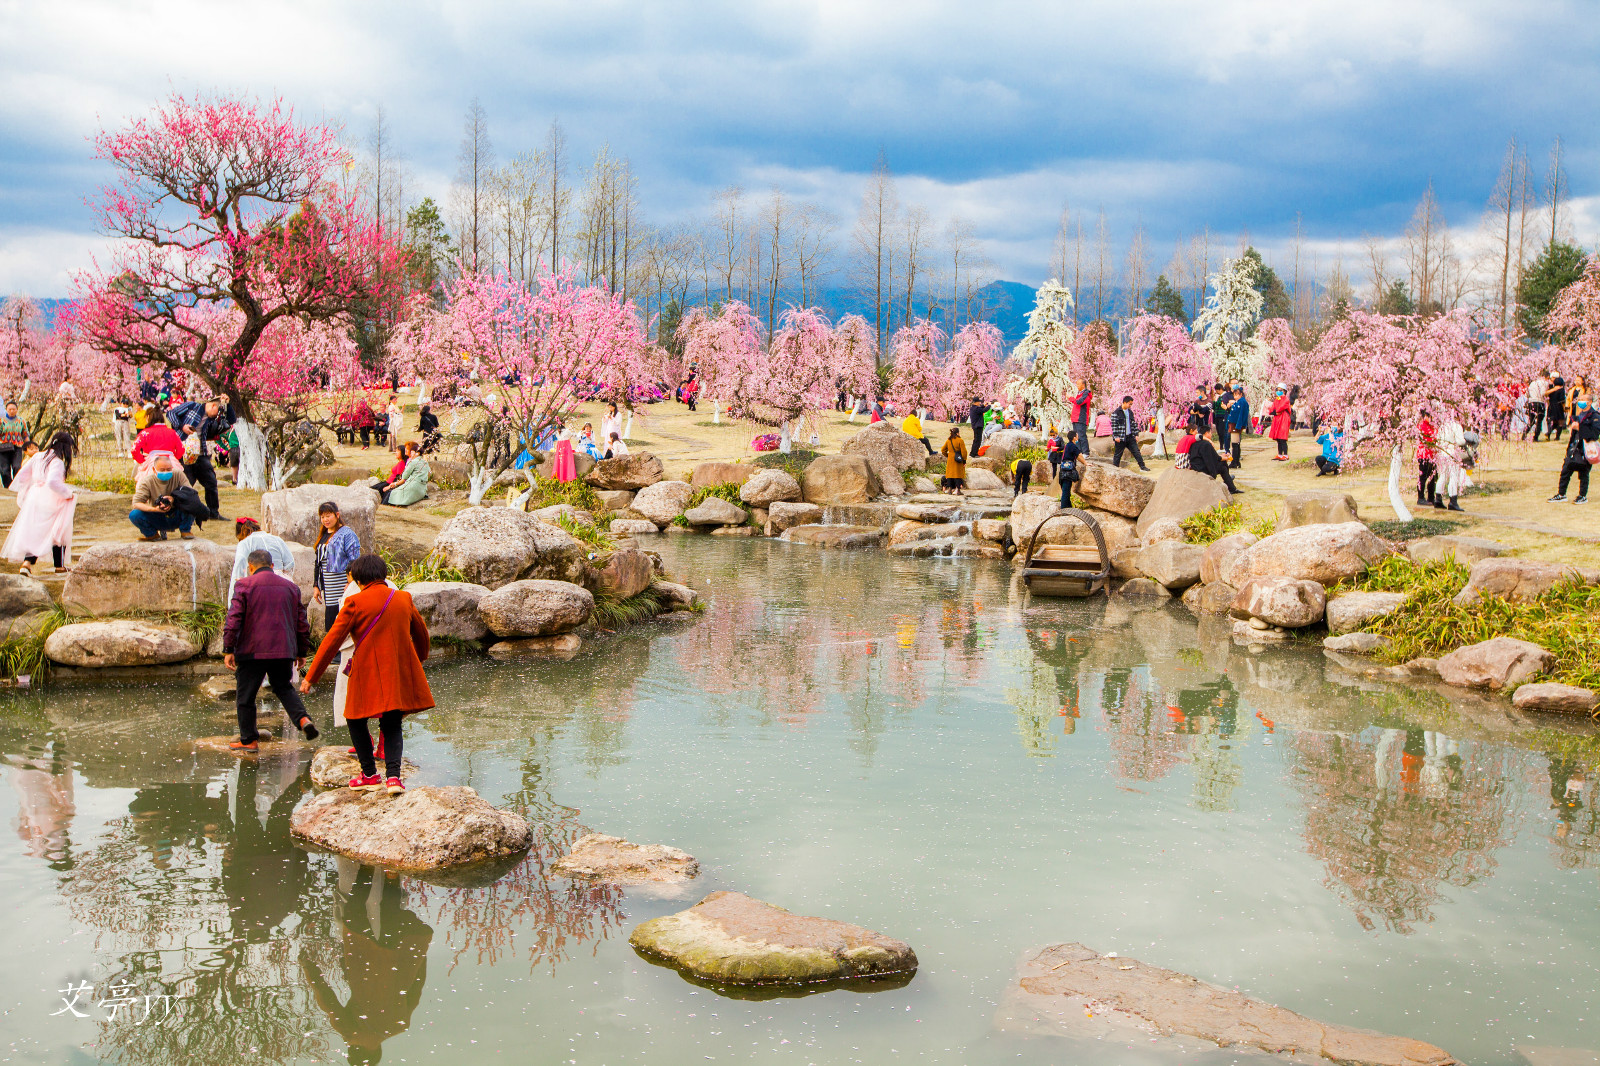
{"x":240,"y":745}
{"x":366,"y":784}
{"x":395,"y":786}
{"x":376,"y":754}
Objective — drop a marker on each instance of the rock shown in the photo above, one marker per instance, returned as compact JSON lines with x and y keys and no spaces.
{"x":1220,"y":553}
{"x":1171,"y":563}
{"x":983,"y":482}
{"x":835,"y":536}
{"x":1502,"y":662}
{"x":333,"y":766}
{"x":632,"y":527}
{"x":615,"y":499}
{"x":677,"y":595}
{"x":1070,"y":990}
{"x":1518,"y":580}
{"x":1124,"y":562}
{"x":707,"y":474}
{"x":1256,"y":631}
{"x":494,"y":546}
{"x":220,"y":687}
{"x":1356,"y":610}
{"x":1179,"y":494}
{"x":922,"y":484}
{"x":1004,"y":444}
{"x":292,"y":513}
{"x":1111,"y":488}
{"x":990,"y":529}
{"x":1560,"y":699}
{"x":733,"y":531}
{"x":1163,"y":529}
{"x":627,"y":573}
{"x":21,"y":595}
{"x":784,"y":515}
{"x":1317,"y":508}
{"x":1142,"y":588}
{"x":730,"y":937}
{"x":906,"y":531}
{"x":595,"y":857}
{"x":450,"y":608}
{"x":1326,"y":554}
{"x":930,"y":512}
{"x":424,"y":828}
{"x":1281,"y":601}
{"x":119,"y":642}
{"x":1028,"y":511}
{"x":1212,"y":597}
{"x":536,"y":608}
{"x":265,"y":745}
{"x":1356,"y":643}
{"x":714,"y":511}
{"x":836,"y":479}
{"x":561,"y":646}
{"x":169,"y":576}
{"x":626,"y":472}
{"x":1465,"y":550}
{"x":995,"y":464}
{"x":560,"y":510}
{"x":663,"y":501}
{"x":767,"y":487}
{"x":1423,"y":666}
{"x":889,"y":452}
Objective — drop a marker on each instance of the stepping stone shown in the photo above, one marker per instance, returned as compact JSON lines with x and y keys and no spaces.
{"x":333,"y":767}
{"x":430,"y":827}
{"x":595,"y":857}
{"x":266,"y":745}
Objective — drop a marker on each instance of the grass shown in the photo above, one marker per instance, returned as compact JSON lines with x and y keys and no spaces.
{"x":589,"y":534}
{"x":1033,"y":453}
{"x":121,"y":484}
{"x":429,"y":568}
{"x":23,"y":655}
{"x":794,"y":464}
{"x":1489,"y":488}
{"x":1223,"y":520}
{"x":204,"y":623}
{"x":548,"y":492}
{"x":611,"y":613}
{"x":728,"y":490}
{"x":1565,"y":621}
{"x":1416,"y":529}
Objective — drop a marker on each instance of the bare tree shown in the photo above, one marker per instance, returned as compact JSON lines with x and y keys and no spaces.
{"x":559,"y":197}
{"x":728,"y":236}
{"x":813,"y":228}
{"x":1499,"y":216}
{"x":1377,"y":266}
{"x":1200,"y":266}
{"x":1527,"y":207}
{"x":773,"y":217}
{"x":961,"y":242}
{"x":385,"y":174}
{"x":1102,"y":252}
{"x":874,"y":246}
{"x":913,"y":236}
{"x":474,"y":178}
{"x":1555,"y":189}
{"x":1136,"y":270}
{"x":1428,"y":253}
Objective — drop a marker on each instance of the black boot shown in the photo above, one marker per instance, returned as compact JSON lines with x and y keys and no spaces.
{"x":1437,"y":502}
{"x":1455,"y":503}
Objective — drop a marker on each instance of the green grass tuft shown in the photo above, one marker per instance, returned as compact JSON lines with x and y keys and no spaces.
{"x":429,"y":568}
{"x":611,"y":613}
{"x":589,"y":534}
{"x":728,"y":490}
{"x":794,"y":464}
{"x":1213,"y":524}
{"x":22,"y":654}
{"x":1416,"y":529}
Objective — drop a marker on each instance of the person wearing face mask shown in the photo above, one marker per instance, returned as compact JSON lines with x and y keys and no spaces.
{"x":1583,"y":448}
{"x":1282,"y":418}
{"x":153,"y":514}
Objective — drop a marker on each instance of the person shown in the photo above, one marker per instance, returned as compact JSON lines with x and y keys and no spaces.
{"x":1555,"y":404}
{"x":691,"y":391}
{"x":911,"y":425}
{"x":1537,"y":388}
{"x":1585,"y":427}
{"x":45,"y":508}
{"x":249,"y":537}
{"x":145,"y":414}
{"x":428,"y":427}
{"x":1021,"y":474}
{"x":13,"y":436}
{"x":386,"y":678}
{"x":1427,"y":466}
{"x":977,"y":414}
{"x":1125,"y":434}
{"x":1070,"y":471}
{"x":616,"y":446}
{"x":122,"y":425}
{"x":337,"y":547}
{"x":1081,"y":404}
{"x":395,"y":472}
{"x":365,"y":420}
{"x":396,"y":419}
{"x":1203,"y":458}
{"x":955,"y":463}
{"x":1200,"y":408}
{"x":1220,"y":402}
{"x":586,"y":443}
{"x":1328,"y":463}
{"x":1282,"y":411}
{"x":157,"y":437}
{"x":153,"y":514}
{"x":204,"y":423}
{"x":611,"y":423}
{"x":413,"y":484}
{"x":265,"y":634}
{"x":1238,"y":422}
{"x":566,"y":463}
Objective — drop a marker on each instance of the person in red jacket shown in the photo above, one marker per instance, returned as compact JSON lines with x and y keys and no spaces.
{"x":1081,"y":403}
{"x":160,"y":437}
{"x":1282,"y":417}
{"x":1427,"y":460}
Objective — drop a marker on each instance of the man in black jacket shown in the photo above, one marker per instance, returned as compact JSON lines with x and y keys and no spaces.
{"x":978,"y":412}
{"x":1585,"y":427}
{"x":1125,"y":434}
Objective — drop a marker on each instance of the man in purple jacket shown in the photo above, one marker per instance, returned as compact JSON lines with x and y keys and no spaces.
{"x":265,"y":635}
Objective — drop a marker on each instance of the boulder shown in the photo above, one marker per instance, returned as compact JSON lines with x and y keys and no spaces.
{"x":847,"y":537}
{"x":767,"y":487}
{"x":1124,"y":562}
{"x":563,"y":510}
{"x":1142,"y":588}
{"x":786,"y":515}
{"x":450,"y":608}
{"x":1502,"y":662}
{"x":983,"y":482}
{"x":1317,"y":508}
{"x":707,"y":474}
{"x":1465,"y":550}
{"x":615,"y":499}
{"x":714,"y":511}
{"x":1281,"y":601}
{"x":596,"y":857}
{"x":931,"y":512}
{"x":1163,"y":529}
{"x":663,"y":501}
{"x":1256,"y":631}
{"x":1070,"y":990}
{"x":632,"y":527}
{"x":836,"y":479}
{"x":627,"y":573}
{"x":626,"y":472}
{"x":995,"y":464}
{"x":21,"y":595}
{"x":990,"y":529}
{"x":905,"y":531}
{"x":333,"y":767}
{"x":729,"y":937}
{"x":922,"y":484}
{"x":1171,"y":563}
{"x":733,"y":531}
{"x":493,"y":546}
{"x":220,"y":687}
{"x":1111,"y":488}
{"x":1326,"y":554}
{"x":292,"y":513}
{"x":1004,"y":444}
{"x":1355,"y":610}
{"x":1213,"y":597}
{"x":119,"y":642}
{"x":168,"y":576}
{"x":424,"y":828}
{"x":889,"y":452}
{"x":1028,"y":511}
{"x":676,"y":595}
{"x":1557,"y":699}
{"x":1356,"y":643}
{"x":1220,"y":553}
{"x":1179,"y":494}
{"x":536,"y":608}
{"x":560,"y":646}
{"x":1518,"y":580}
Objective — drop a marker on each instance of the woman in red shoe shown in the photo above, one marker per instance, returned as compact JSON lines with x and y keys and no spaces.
{"x":386,"y":681}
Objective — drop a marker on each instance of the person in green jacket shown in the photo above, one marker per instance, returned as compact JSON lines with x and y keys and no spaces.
{"x":413,"y":483}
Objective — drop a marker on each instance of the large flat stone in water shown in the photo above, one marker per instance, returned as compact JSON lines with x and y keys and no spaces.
{"x":1069,"y":990}
{"x":729,"y":937}
{"x":423,"y":828}
{"x":835,"y":536}
{"x":596,"y":857}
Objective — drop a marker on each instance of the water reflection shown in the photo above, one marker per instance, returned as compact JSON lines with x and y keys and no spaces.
{"x":1575,"y":836}
{"x":43,"y":783}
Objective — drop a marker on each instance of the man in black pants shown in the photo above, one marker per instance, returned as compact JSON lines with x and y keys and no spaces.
{"x":207,"y":424}
{"x":265,"y":635}
{"x":1021,"y":473}
{"x":976,"y":414}
{"x":1585,"y":429}
{"x":1125,"y":434}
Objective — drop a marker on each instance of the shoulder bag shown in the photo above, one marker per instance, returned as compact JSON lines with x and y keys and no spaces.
{"x":365,"y":632}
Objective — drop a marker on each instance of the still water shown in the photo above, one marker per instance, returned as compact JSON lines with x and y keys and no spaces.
{"x":904,"y":744}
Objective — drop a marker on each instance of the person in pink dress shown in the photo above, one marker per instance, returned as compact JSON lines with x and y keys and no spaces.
{"x":566,"y":464}
{"x":45,"y":506}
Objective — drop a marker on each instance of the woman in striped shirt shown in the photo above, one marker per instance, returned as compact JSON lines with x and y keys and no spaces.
{"x":337,"y":548}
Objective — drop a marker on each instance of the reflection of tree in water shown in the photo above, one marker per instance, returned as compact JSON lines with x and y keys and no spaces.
{"x":1394,"y":815}
{"x":1575,"y":836}
{"x":1046,"y":673}
{"x":1146,"y":740}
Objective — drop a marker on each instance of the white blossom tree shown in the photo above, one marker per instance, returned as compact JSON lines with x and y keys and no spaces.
{"x":1046,"y":353}
{"x":1231,"y":311}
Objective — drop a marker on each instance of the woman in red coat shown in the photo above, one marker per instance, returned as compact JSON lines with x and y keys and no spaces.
{"x":386,"y":678}
{"x":1282,"y":415}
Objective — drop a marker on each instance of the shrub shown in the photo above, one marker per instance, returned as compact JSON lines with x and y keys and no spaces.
{"x":589,"y":534}
{"x":429,"y":568}
{"x":22,"y":655}
{"x":1213,"y":524}
{"x":793,"y":464}
{"x":728,"y":490}
{"x":549,"y":492}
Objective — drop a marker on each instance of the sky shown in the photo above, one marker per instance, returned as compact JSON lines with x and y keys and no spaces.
{"x":1240,"y":115}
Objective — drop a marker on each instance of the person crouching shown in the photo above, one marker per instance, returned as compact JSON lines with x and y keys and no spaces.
{"x":265,"y":634}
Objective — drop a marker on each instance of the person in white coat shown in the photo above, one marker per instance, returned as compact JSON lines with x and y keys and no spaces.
{"x":45,"y":508}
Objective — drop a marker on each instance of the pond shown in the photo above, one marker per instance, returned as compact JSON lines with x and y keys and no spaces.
{"x":909,"y":745}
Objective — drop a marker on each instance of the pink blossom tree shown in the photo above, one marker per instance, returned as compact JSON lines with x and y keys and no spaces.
{"x":1284,"y":361}
{"x":1574,"y":321}
{"x":916,"y":384}
{"x":222,"y":202}
{"x":801,"y":371}
{"x":1161,"y":370}
{"x":973,"y":366}
{"x":855,"y":359}
{"x":727,"y":353}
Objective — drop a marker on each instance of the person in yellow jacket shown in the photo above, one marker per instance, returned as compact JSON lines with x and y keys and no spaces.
{"x":912,"y":425}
